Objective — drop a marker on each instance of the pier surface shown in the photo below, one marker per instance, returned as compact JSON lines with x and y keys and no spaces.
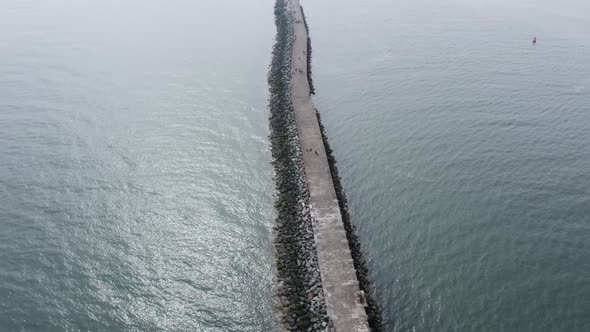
{"x":344,"y":301}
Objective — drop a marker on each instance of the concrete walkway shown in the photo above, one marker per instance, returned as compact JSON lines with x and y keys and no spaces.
{"x":341,"y":289}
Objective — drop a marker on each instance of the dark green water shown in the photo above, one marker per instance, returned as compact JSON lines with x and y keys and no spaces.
{"x":135,"y":184}
{"x":136,"y":189}
{"x":465,"y":153}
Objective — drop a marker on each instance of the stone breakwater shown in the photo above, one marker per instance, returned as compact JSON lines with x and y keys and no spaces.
{"x":362,"y":272}
{"x":372,"y":309}
{"x":299,"y":286}
{"x":310,"y":81}
{"x":321,"y":274}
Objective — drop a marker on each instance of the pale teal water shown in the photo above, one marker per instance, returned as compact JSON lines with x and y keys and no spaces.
{"x":136,"y":190}
{"x":465,"y":154}
{"x":135,"y":184}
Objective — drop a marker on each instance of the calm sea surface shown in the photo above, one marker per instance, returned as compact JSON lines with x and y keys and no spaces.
{"x":136,"y":189}
{"x":135,"y":184}
{"x":465,"y":153}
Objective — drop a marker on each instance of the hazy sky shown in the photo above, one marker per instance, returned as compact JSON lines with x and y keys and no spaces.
{"x":570,"y":8}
